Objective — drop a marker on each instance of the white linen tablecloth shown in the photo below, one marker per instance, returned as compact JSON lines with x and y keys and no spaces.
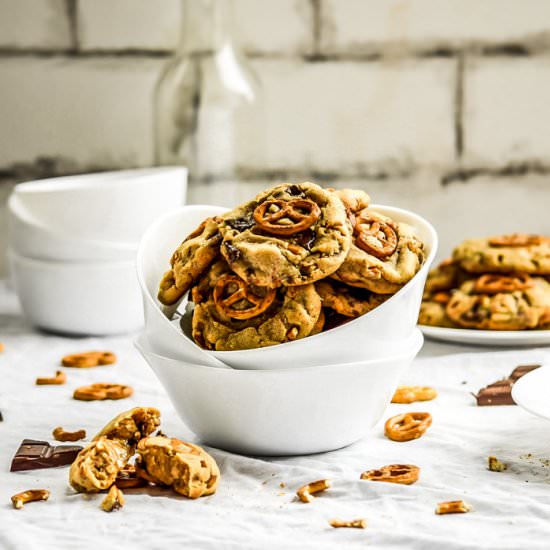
{"x":251,"y":509}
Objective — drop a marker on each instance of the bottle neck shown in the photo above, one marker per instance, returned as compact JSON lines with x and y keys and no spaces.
{"x":207,"y":25}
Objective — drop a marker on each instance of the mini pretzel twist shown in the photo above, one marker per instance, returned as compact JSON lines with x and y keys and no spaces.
{"x":59,"y":379}
{"x":99,"y":392}
{"x":517,"y":239}
{"x":375,"y":236}
{"x":407,"y":426}
{"x":441,"y":297}
{"x":59,"y":434}
{"x":286,"y":217}
{"x":305,"y":493}
{"x":410,"y":394}
{"x":404,"y":474}
{"x":89,"y":359}
{"x":492,"y":283}
{"x":114,"y":500}
{"x":231,"y":290}
{"x":355,"y":523}
{"x":32,"y":495}
{"x":453,"y":507}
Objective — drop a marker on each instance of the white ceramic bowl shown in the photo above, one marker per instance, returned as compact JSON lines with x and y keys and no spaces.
{"x":78,"y":298}
{"x":284,"y":411}
{"x":27,"y":237}
{"x":377,"y":334}
{"x":113,"y":206}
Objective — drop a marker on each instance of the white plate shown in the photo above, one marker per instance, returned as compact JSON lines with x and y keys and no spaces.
{"x":488,"y":337}
{"x":530,"y":392}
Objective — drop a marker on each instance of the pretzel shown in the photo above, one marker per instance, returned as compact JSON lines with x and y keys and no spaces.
{"x":59,"y":379}
{"x":286,"y":217}
{"x":99,"y":392}
{"x":89,"y":359}
{"x":128,"y":478}
{"x":59,"y":434}
{"x":404,"y":474}
{"x":32,"y":495}
{"x":305,"y":493}
{"x":357,"y":523}
{"x":441,"y":297}
{"x":375,"y":236}
{"x":517,"y":239}
{"x":230,"y":290}
{"x":493,"y":283}
{"x":114,"y":500}
{"x":407,"y":426}
{"x":410,"y":394}
{"x":452,"y":507}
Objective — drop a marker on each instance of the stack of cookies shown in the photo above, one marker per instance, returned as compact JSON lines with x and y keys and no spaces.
{"x":496,"y":283}
{"x":294,"y":261}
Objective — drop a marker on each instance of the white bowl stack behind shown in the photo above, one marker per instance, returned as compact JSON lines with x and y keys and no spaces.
{"x":73,"y":242}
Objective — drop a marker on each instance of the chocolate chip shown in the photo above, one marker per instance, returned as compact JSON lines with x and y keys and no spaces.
{"x":241,"y":224}
{"x":233,"y":252}
{"x":305,"y":239}
{"x":295,"y":191}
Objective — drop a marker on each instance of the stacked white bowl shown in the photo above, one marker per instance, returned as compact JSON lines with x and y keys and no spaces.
{"x":73,"y":242}
{"x":310,"y":395}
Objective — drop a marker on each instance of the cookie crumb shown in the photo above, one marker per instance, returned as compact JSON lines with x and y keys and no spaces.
{"x":495,"y":465}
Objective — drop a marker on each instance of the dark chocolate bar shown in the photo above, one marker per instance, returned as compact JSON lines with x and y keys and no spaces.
{"x":34,"y":455}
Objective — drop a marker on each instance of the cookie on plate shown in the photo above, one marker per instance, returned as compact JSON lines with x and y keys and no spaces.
{"x":291,"y":234}
{"x":471,"y":306}
{"x":384,"y":256}
{"x":347,"y":300}
{"x":446,"y":276}
{"x":190,"y":260}
{"x":505,"y":253}
{"x":432,"y":311}
{"x":230,"y":314}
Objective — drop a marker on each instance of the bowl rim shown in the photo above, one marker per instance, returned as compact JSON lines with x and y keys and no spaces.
{"x":141,"y":343}
{"x":95,"y":180}
{"x":386,"y":210}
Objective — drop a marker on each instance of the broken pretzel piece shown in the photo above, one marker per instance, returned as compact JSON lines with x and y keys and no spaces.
{"x":100,"y":392}
{"x":356,"y":523}
{"x":32,"y":495}
{"x":410,"y":394}
{"x":60,"y":434}
{"x":59,"y":379}
{"x":114,"y":500}
{"x":407,"y":426}
{"x":452,"y":507}
{"x":404,"y":474}
{"x":495,"y":465}
{"x":305,"y":493}
{"x":88,"y":359}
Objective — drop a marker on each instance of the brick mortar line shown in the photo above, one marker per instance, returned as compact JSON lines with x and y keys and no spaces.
{"x":512,"y":170}
{"x":459,"y":106}
{"x":71,"y":12}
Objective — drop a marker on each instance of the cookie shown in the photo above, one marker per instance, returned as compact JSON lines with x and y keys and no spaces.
{"x":190,"y":260}
{"x":515,"y":310}
{"x":505,"y":254}
{"x":354,"y":200}
{"x":384,"y":256}
{"x":230,"y":314}
{"x":446,"y":276}
{"x":347,"y":300}
{"x":433,"y":314}
{"x":291,"y":234}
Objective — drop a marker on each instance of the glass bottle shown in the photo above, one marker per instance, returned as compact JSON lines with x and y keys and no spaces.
{"x":207,"y":100}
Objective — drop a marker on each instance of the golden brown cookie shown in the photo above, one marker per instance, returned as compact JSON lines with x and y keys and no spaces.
{"x":231,"y":315}
{"x":446,"y":276}
{"x":384,"y":255}
{"x":505,"y":254}
{"x":291,"y":234}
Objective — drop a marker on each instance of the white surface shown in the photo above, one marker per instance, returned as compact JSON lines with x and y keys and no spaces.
{"x":532,"y":392}
{"x":505,"y":338}
{"x":367,"y":337}
{"x":281,"y":411}
{"x":78,"y":298}
{"x":250,"y":509}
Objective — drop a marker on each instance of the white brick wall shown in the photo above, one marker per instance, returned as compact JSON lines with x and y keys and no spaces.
{"x":353,"y":26}
{"x":96,"y":112}
{"x":507,"y":110}
{"x":353,"y":117}
{"x":38,"y":24}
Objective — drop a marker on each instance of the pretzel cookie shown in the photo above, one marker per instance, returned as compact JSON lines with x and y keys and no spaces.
{"x":230,"y":314}
{"x":291,"y":234}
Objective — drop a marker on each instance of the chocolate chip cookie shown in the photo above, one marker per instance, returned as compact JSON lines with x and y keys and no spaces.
{"x":432,"y":311}
{"x":291,"y":234}
{"x":505,"y":254}
{"x":190,"y":260}
{"x":230,"y":314}
{"x":384,"y":255}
